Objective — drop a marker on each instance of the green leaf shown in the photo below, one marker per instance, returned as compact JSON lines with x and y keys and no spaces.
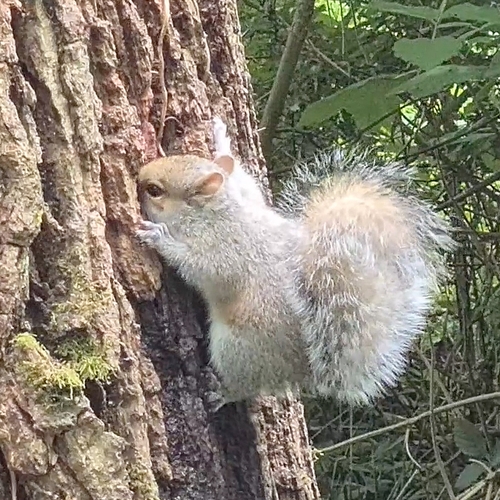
{"x":494,"y":70}
{"x":469,"y":439}
{"x":426,"y":53}
{"x":476,"y":40}
{"x":440,"y":78}
{"x":470,"y":474}
{"x":495,"y":455}
{"x":468,"y":12}
{"x":366,"y":101}
{"x":396,"y":8}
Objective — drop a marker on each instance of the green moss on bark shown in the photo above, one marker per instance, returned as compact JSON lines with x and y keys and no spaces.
{"x":80,"y":360}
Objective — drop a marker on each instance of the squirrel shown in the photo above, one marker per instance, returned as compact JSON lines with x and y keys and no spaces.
{"x":323,"y":292}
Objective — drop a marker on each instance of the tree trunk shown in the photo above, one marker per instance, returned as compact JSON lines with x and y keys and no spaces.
{"x":103,"y":370}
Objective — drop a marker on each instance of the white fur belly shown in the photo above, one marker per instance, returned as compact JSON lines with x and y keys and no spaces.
{"x":250,"y":362}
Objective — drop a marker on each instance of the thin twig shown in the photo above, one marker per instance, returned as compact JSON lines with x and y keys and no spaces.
{"x":437,"y":378}
{"x":161,"y":63}
{"x":472,"y":190}
{"x":411,"y":421}
{"x":435,"y":447}
{"x":408,"y":451}
{"x":468,"y":494}
{"x":449,"y":140}
{"x":405,"y":486}
{"x":489,"y":491}
{"x":13,"y":485}
{"x":482,"y":464}
{"x":326,"y":59}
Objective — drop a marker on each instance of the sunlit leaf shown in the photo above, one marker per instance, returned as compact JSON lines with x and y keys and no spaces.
{"x":468,"y":12}
{"x":407,"y":10}
{"x":367,"y":101}
{"x":426,"y":53}
{"x":440,"y":78}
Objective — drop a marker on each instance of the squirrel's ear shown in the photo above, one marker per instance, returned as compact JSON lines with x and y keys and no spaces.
{"x":209,"y":185}
{"x":226,"y":163}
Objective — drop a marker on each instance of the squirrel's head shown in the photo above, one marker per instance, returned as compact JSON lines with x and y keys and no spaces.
{"x":177,"y":185}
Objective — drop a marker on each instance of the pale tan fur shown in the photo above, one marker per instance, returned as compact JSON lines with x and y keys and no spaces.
{"x":364,"y":205}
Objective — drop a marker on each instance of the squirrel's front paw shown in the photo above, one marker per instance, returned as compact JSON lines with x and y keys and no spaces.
{"x":152,"y":233}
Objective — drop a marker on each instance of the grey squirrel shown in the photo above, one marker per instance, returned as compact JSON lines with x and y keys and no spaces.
{"x":324,"y":292}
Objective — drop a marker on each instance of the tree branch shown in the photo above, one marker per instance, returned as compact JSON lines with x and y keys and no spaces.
{"x":276,"y":102}
{"x":472,"y":190}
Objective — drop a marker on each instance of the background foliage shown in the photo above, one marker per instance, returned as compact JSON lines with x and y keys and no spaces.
{"x":416,"y":81}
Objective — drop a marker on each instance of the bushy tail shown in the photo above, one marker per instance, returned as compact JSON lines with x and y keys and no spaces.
{"x":370,"y":267}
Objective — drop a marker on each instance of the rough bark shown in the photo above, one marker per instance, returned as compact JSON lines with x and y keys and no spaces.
{"x":81,"y":303}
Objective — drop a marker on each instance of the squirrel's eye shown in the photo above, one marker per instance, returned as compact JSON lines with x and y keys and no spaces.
{"x":154,"y":191}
